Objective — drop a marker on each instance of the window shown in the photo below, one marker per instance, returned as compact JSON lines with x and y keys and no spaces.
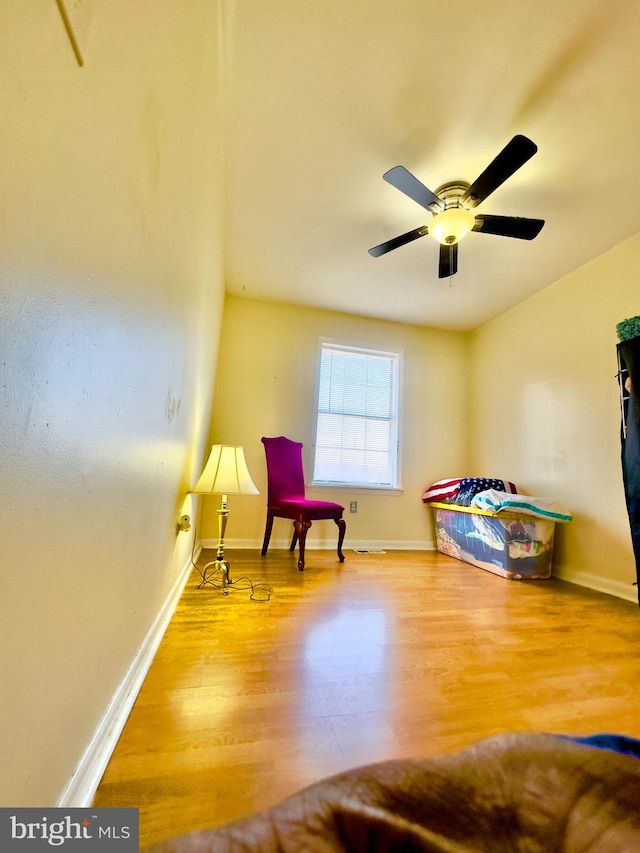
{"x":356,"y":435}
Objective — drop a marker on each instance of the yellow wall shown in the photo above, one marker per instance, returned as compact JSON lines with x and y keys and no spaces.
{"x":265,"y":386}
{"x":546,"y":410}
{"x":109,"y":320}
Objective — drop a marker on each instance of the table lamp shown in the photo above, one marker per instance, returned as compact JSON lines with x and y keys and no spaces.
{"x":225,"y":473}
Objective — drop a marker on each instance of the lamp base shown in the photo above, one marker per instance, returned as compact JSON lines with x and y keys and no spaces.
{"x":210,"y":569}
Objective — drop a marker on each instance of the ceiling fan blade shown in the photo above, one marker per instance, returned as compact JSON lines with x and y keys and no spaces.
{"x":448,"y":264}
{"x":514,"y":155}
{"x":396,"y":242}
{"x":403,"y":180}
{"x":509,"y":226}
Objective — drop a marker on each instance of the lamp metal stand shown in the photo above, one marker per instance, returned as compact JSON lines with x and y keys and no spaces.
{"x":219,"y":564}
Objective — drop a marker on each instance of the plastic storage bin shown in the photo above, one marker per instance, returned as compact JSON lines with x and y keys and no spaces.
{"x":513,"y":545}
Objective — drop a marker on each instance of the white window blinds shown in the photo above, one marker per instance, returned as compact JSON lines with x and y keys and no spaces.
{"x":357,"y":417}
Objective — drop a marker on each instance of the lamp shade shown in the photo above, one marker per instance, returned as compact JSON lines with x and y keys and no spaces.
{"x":451,"y":225}
{"x":225,"y":473}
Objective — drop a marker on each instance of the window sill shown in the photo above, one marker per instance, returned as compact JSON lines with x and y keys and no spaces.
{"x":359,"y":489}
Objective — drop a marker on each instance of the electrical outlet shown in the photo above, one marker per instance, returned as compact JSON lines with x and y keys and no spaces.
{"x":353,"y":506}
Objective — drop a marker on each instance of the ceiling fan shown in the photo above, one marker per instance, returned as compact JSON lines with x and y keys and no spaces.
{"x":450,"y":204}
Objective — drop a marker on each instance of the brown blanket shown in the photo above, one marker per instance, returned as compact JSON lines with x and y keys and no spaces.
{"x":528,"y":793}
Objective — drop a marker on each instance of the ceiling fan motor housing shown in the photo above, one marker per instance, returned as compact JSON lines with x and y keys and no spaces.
{"x":451,"y":193}
{"x":451,"y":219}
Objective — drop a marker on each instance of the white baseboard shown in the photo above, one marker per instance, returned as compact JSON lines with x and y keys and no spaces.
{"x":620,"y":590}
{"x":323,"y":544}
{"x":82,"y":786}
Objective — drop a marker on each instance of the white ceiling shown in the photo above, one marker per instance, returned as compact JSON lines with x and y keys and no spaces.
{"x":323,"y":96}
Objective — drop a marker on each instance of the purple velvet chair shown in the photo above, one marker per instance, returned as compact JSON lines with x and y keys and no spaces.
{"x":286,"y":496}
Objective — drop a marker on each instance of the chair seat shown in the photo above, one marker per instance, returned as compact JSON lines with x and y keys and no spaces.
{"x":313,"y":510}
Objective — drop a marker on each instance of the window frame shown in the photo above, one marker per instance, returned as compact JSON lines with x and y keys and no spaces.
{"x":397,"y":353}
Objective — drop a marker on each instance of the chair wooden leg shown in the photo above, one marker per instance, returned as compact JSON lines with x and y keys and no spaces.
{"x":301,"y":526}
{"x":342,"y":527}
{"x":294,"y":538}
{"x":267,"y":533}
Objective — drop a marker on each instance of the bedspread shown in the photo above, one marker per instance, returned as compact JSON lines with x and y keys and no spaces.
{"x":507,"y":794}
{"x":495,"y":501}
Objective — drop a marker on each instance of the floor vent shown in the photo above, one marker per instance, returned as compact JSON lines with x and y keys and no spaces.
{"x":369,"y":551}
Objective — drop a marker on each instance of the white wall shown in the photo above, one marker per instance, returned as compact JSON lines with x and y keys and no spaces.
{"x":546,"y":410}
{"x":109,"y":318}
{"x":265,"y":386}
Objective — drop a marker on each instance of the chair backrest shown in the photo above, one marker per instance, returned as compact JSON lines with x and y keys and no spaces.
{"x":285,"y":475}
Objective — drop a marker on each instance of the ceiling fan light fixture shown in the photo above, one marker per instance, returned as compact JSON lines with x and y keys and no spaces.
{"x":451,"y":225}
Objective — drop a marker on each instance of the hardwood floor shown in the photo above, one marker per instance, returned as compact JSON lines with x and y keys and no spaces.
{"x":386,"y":655}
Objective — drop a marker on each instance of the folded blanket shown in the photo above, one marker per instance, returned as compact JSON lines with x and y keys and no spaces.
{"x":442,"y":490}
{"x":470,"y":486}
{"x":495,"y":501}
{"x":460,"y":490}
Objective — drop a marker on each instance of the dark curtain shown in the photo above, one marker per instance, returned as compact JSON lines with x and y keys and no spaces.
{"x":629,"y":356}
